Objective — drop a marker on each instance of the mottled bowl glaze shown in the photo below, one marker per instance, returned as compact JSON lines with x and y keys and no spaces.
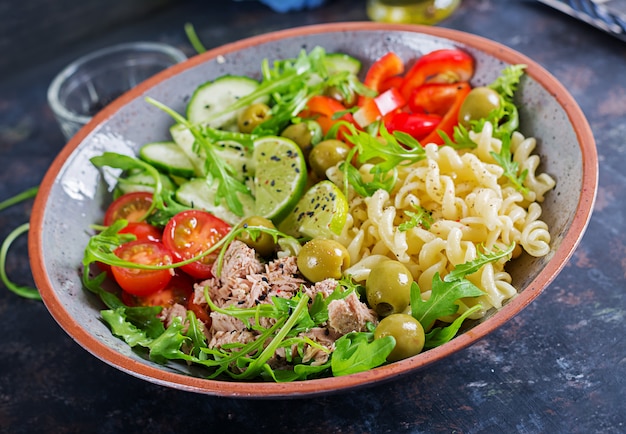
{"x":73,"y":194}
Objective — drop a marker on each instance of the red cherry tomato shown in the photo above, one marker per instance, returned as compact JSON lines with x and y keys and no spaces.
{"x":143,"y":282}
{"x":192,"y":232}
{"x":201,"y":311}
{"x":143,"y":231}
{"x":178,"y":290}
{"x":130,"y":206}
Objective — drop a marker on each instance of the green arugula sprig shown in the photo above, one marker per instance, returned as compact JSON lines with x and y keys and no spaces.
{"x":421,"y":217}
{"x":446,"y":292}
{"x":511,"y":168}
{"x":223,"y":174}
{"x":397,"y":149}
{"x":21,"y":290}
{"x":164,"y":205}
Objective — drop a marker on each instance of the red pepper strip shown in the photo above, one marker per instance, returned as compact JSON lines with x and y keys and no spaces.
{"x":418,"y":125}
{"x":384,"y":68}
{"x":447,"y":65}
{"x":451,"y":118}
{"x":395,"y":81}
{"x":374,"y":109}
{"x":433,"y":98}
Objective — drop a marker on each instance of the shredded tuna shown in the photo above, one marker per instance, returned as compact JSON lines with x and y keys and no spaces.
{"x":349,"y":315}
{"x":169,"y":313}
{"x":244,"y":281}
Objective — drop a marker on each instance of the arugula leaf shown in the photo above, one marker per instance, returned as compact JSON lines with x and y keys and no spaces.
{"x":359,"y":351}
{"x":442,"y":299}
{"x":227,"y":183}
{"x":445,"y":292}
{"x":511,"y":168}
{"x":460,"y":140}
{"x":420,"y":218}
{"x":508,"y":80}
{"x":125,"y":162}
{"x":462,"y":270}
{"x":440,"y":335}
{"x":397,"y":149}
{"x":120,"y":327}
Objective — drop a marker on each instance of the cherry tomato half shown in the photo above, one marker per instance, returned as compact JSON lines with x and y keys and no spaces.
{"x":143,"y":231}
{"x":192,"y":232}
{"x":178,"y":290}
{"x":143,"y":282}
{"x":130,"y":206}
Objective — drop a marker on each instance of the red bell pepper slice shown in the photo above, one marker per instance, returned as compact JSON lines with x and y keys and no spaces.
{"x":445,"y":65}
{"x":388,"y":83}
{"x":384,"y":68}
{"x":417,"y":125}
{"x":451,"y":118}
{"x":433,"y":98}
{"x":374,"y":109}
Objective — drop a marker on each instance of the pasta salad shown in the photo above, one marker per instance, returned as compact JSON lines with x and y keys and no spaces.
{"x":323,"y":220}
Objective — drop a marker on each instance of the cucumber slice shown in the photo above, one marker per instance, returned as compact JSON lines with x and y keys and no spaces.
{"x":197,"y":193}
{"x":167,"y":157}
{"x":216,"y":96}
{"x":141,"y":181}
{"x":337,"y":62}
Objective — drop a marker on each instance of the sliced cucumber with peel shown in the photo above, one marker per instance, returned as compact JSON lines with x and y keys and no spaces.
{"x":199,"y":193}
{"x":142,"y":181}
{"x":338,"y":62}
{"x":167,"y":157}
{"x":214,"y":97}
{"x":232,"y":152}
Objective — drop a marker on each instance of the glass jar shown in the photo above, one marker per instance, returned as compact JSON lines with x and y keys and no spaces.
{"x":411,"y":11}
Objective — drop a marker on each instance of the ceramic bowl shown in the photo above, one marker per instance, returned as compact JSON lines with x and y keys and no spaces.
{"x":73,"y":194}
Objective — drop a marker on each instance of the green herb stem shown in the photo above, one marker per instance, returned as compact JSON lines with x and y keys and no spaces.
{"x":22,"y":291}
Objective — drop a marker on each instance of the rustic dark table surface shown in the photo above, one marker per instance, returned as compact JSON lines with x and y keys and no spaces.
{"x":558,"y":367}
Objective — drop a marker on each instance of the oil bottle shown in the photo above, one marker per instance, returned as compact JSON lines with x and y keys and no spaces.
{"x":411,"y":11}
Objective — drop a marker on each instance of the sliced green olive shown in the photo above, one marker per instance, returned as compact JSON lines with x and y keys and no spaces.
{"x":263,"y":243}
{"x":321,"y":259}
{"x":327,"y":153}
{"x":305,"y":134}
{"x":253,"y":115}
{"x":388,"y":287}
{"x":406,"y":330}
{"x":478,"y":104}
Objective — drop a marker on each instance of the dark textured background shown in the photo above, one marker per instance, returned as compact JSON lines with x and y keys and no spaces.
{"x":558,"y":367}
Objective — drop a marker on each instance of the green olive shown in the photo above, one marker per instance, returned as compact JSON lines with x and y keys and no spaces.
{"x":252,"y":116}
{"x":264,"y":243}
{"x":406,"y":330}
{"x":305,"y":134}
{"x":478,"y":104}
{"x":321,"y":259}
{"x":346,"y":96}
{"x":327,"y":153}
{"x":388,"y":287}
